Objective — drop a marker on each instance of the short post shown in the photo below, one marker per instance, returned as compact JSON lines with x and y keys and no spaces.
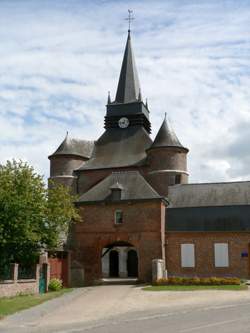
{"x":158,"y":269}
{"x":15,"y":272}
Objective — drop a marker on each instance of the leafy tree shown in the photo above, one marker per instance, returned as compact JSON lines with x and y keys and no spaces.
{"x":32,"y":216}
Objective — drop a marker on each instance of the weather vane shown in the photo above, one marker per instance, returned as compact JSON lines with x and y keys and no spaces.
{"x":130,"y":18}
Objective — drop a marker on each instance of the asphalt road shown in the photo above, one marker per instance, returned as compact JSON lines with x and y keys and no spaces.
{"x":120,"y":309}
{"x":231,"y":318}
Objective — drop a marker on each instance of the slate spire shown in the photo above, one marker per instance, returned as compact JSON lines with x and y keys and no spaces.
{"x":166,"y":136}
{"x":128,"y":89}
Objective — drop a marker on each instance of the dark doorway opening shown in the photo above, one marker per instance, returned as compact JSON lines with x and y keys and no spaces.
{"x":113,"y":264}
{"x":132,"y":263}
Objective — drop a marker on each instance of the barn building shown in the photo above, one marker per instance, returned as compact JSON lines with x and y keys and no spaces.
{"x":136,"y":204}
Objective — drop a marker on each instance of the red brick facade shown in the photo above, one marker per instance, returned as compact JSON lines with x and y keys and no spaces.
{"x":238,"y":243}
{"x":143,"y":228}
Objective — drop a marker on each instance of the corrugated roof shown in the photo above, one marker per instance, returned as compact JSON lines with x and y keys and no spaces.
{"x":166,"y":136}
{"x":210,"y":194}
{"x":205,"y":219}
{"x":119,"y":148}
{"x":71,"y":146}
{"x":133,"y":184}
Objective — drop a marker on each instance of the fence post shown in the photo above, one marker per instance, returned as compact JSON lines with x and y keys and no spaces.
{"x":15,"y":272}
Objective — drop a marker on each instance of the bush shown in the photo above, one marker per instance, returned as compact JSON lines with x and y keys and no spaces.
{"x":212,"y":281}
{"x":55,"y":284}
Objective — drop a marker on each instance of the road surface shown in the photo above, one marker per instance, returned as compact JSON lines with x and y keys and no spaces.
{"x":120,"y":309}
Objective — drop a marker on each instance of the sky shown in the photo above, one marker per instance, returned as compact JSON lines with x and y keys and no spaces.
{"x":59,"y":59}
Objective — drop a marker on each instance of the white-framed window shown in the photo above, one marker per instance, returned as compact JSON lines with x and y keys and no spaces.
{"x":118,"y":217}
{"x":221,"y":257}
{"x":187,"y":255}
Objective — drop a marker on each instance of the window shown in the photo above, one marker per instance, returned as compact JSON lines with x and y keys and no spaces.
{"x":221,"y":255}
{"x":177,"y":179}
{"x":118,"y":217}
{"x":187,"y":255}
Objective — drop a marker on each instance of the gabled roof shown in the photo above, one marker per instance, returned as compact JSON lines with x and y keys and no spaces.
{"x":128,"y":89}
{"x":166,"y":136}
{"x":210,"y":194}
{"x":71,"y":146}
{"x":133,"y":187}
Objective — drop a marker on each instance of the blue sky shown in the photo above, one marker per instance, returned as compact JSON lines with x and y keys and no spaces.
{"x":58,"y":59}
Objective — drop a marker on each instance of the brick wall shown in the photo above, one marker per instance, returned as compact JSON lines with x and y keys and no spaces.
{"x":204,"y":253}
{"x":141,"y":228}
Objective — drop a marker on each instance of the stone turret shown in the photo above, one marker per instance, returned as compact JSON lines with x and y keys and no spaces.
{"x":69,"y":156}
{"x":167,"y":160}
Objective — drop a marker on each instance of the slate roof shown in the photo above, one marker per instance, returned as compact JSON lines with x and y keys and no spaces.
{"x":166,"y":137}
{"x":128,"y":89}
{"x":210,"y":194}
{"x":134,"y":187}
{"x":71,"y":146}
{"x":205,"y":219}
{"x":119,"y":148}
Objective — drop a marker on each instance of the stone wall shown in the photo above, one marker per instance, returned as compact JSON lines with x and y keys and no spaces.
{"x":15,"y":286}
{"x":238,"y":248}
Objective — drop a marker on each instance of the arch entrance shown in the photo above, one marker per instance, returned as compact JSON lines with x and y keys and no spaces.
{"x":132,"y":263}
{"x":119,"y":260}
{"x":114,"y":263}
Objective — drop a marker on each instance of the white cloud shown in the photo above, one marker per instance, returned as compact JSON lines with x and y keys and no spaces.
{"x":59,"y":59}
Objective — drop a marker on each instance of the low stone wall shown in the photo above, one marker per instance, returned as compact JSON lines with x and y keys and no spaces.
{"x":14,"y":286}
{"x":11,"y":288}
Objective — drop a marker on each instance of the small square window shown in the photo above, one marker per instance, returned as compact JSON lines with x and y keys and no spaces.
{"x":118,"y":217}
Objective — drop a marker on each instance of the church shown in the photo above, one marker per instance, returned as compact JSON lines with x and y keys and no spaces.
{"x":136,"y":204}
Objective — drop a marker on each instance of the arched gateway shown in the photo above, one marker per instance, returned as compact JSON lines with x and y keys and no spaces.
{"x":119,"y":259}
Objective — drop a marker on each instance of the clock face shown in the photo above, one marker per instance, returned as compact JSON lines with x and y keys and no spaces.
{"x":123,"y":122}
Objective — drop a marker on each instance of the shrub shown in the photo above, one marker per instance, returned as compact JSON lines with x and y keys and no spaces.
{"x":212,"y":281}
{"x":55,"y":284}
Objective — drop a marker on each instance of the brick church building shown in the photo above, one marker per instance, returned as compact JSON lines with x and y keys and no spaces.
{"x":136,"y":204}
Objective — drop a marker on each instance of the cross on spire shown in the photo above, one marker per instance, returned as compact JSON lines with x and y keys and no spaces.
{"x":130,"y":18}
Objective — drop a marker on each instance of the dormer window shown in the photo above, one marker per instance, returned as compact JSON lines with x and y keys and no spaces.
{"x":118,"y":217}
{"x":116,"y":192}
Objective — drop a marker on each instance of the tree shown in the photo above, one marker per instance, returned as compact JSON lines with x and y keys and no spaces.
{"x":32,"y":216}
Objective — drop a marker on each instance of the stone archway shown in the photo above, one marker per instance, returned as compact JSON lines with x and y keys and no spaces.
{"x":114,"y":263}
{"x":119,"y":259}
{"x":132,"y":263}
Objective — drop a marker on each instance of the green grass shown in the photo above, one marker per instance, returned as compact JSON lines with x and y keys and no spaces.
{"x":10,"y":305}
{"x":188,"y":288}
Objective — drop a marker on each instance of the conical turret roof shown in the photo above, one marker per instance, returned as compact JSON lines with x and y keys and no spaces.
{"x":128,"y":89}
{"x":71,"y":146}
{"x":166,"y":136}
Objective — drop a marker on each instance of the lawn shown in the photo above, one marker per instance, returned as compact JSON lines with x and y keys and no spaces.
{"x":189,"y":288}
{"x":10,"y":305}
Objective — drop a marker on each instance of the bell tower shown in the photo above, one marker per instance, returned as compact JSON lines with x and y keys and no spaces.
{"x":127,"y":109}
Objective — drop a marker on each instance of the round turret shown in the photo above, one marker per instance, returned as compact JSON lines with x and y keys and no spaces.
{"x":167,"y":160}
{"x":69,"y":156}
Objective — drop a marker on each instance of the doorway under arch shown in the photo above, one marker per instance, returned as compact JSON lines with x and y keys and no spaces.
{"x":132,"y":263}
{"x":114,"y":263}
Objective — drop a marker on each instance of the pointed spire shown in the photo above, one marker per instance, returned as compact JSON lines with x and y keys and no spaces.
{"x":146,"y":103}
{"x":166,"y":136}
{"x":128,"y":85}
{"x":139,"y":95}
{"x":109,"y":98}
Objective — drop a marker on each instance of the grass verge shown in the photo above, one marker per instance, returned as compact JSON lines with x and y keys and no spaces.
{"x":10,"y":305}
{"x":188,"y":288}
